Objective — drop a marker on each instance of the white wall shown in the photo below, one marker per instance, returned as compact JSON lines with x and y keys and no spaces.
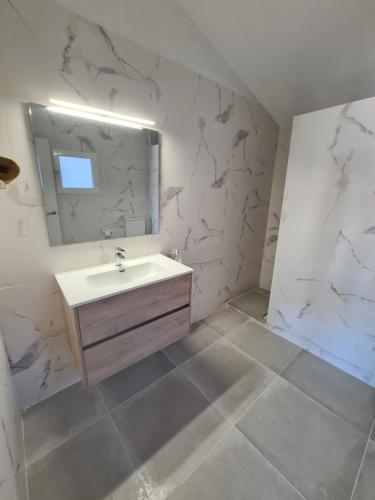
{"x":163,"y":27}
{"x":274,"y":211}
{"x":216,"y":171}
{"x":323,"y":293}
{"x":12,"y":477}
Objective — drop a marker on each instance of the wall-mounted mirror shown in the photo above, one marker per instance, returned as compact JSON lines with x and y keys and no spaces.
{"x":99,"y":180}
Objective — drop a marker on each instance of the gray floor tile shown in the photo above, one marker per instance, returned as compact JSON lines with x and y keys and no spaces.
{"x":346,"y":396}
{"x":235,"y":470}
{"x":90,"y":466}
{"x":365,"y":488}
{"x":315,"y":450}
{"x":21,"y":484}
{"x":228,"y":377}
{"x":201,"y":336}
{"x":225,"y":320}
{"x":263,"y":345}
{"x":128,"y":382}
{"x":252,"y":303}
{"x":168,"y":428}
{"x":59,"y":417}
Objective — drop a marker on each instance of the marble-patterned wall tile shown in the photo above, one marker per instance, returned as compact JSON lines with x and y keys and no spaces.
{"x":217,"y":159}
{"x":12,"y":479}
{"x":322,"y":295}
{"x":274,"y":212}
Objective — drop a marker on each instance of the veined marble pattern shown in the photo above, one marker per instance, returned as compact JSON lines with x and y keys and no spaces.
{"x":217,"y":159}
{"x":12,"y":479}
{"x":274,"y":212}
{"x":323,"y":290}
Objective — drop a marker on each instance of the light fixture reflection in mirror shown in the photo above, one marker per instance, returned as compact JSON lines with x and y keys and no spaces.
{"x":94,"y":117}
{"x":102,"y":112}
{"x":99,"y":175}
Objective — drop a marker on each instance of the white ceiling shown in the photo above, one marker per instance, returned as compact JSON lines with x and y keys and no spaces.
{"x":164,"y":27}
{"x":295,"y":56}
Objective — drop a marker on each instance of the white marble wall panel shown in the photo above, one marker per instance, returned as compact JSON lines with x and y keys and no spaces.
{"x":323,"y":289}
{"x":217,"y":160}
{"x":274,"y":212}
{"x":12,"y":478}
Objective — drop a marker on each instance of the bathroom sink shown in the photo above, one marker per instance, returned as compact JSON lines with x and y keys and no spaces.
{"x":92,"y":283}
{"x":131,"y":274}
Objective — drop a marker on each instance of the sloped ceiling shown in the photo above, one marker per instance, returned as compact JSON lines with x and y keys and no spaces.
{"x":164,"y":27}
{"x":295,"y":55}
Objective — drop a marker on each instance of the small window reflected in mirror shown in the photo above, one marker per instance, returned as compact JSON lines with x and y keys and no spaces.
{"x":76,"y":172}
{"x":99,"y":181}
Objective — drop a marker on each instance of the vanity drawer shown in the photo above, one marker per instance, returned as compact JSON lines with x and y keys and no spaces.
{"x":117,"y":353}
{"x":110,"y":316}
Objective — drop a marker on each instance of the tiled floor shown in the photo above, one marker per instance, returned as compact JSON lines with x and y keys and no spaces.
{"x":233,"y":412}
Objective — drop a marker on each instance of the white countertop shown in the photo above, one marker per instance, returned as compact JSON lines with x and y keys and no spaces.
{"x":97,"y":282}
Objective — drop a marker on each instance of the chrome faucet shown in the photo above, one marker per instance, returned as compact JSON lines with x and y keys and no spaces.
{"x":119,"y":254}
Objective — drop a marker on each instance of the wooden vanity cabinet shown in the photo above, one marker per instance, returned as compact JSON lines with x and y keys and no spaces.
{"x":112,"y":333}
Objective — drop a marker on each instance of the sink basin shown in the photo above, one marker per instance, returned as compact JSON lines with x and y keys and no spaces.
{"x":132,"y":274}
{"x":98,"y":282}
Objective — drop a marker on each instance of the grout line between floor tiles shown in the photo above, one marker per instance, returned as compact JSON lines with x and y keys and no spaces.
{"x":289,"y":362}
{"x":233,"y":425}
{"x":108,"y":410}
{"x":279,"y":373}
{"x":169,"y":359}
{"x":199,"y":389}
{"x":271,"y":464}
{"x":143,"y":389}
{"x":27,"y":484}
{"x":200,"y":462}
{"x":226,"y":341}
{"x":235,"y":347}
{"x":199,"y":352}
{"x":165,"y":374}
{"x":28,"y":463}
{"x":233,"y":420}
{"x":242,"y":351}
{"x":300,"y":349}
{"x":125,"y":448}
{"x":26,"y":480}
{"x":102,"y":398}
{"x":255,"y":400}
{"x":362,"y":461}
{"x":68,"y":438}
{"x":324,"y":407}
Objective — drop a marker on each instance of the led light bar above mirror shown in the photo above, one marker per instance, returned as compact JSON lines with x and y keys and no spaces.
{"x":90,"y":113}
